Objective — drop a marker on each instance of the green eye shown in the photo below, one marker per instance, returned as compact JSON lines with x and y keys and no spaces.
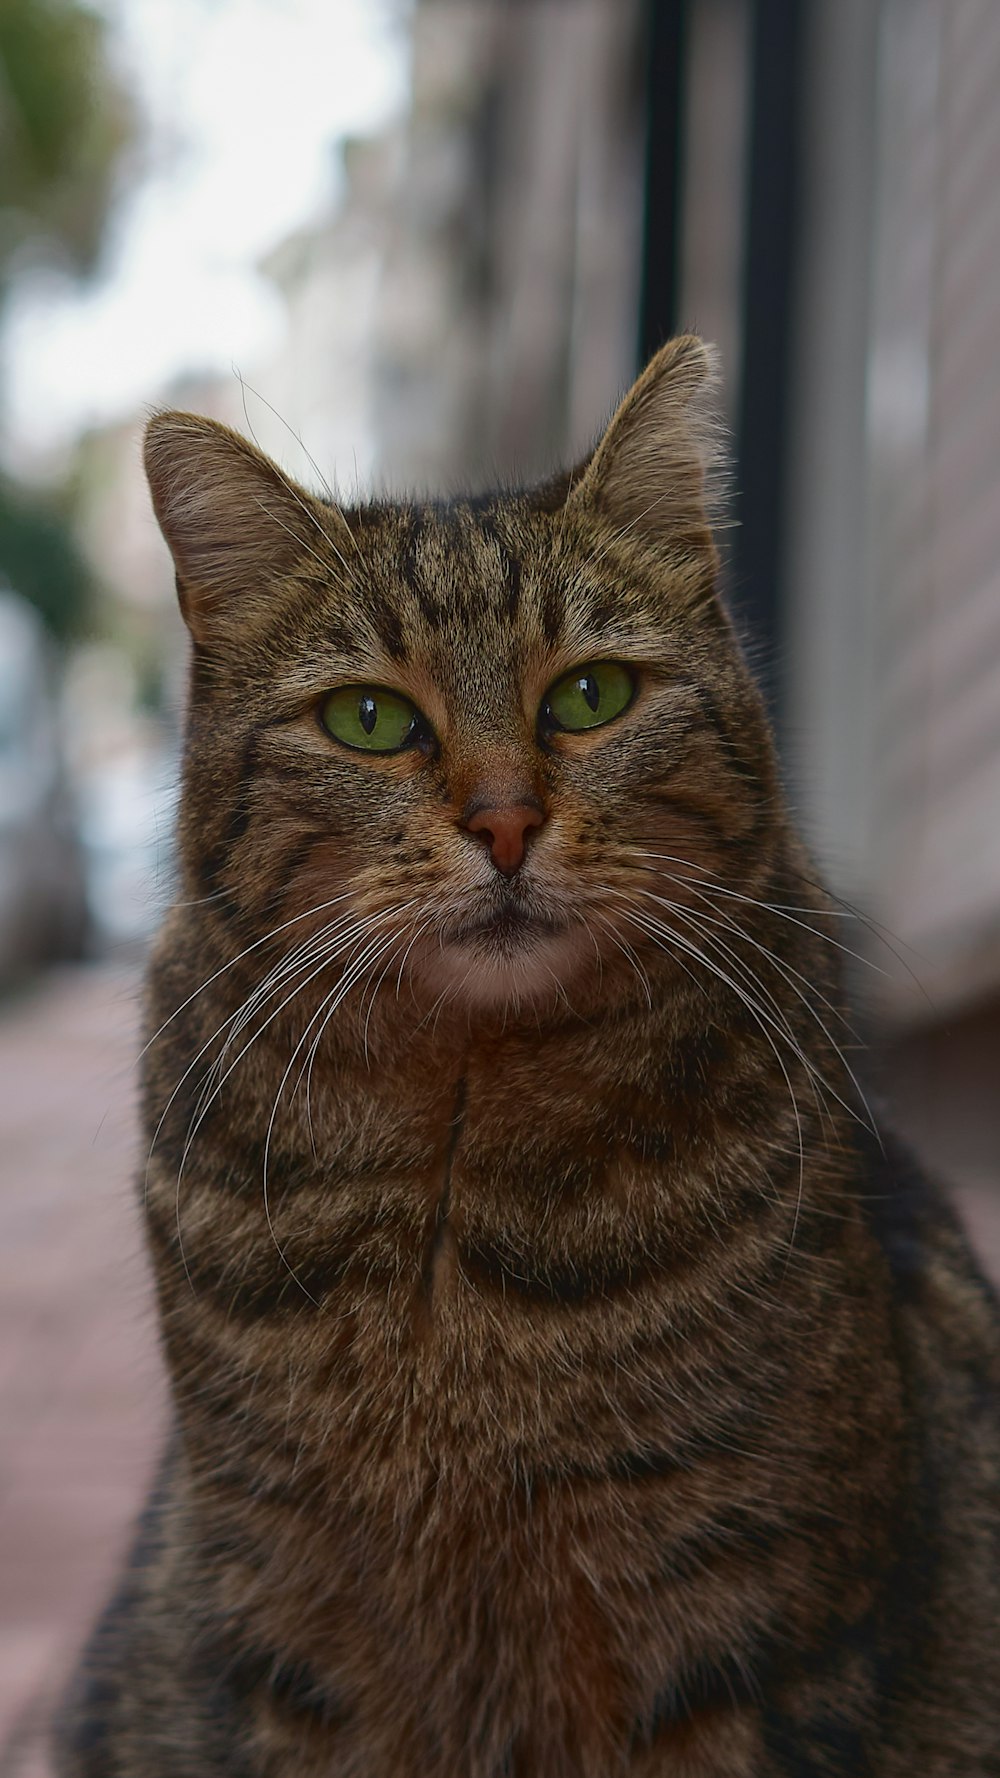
{"x":367,"y":717}
{"x":588,"y":697}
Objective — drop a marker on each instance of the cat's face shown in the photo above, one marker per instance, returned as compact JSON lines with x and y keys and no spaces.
{"x":463,"y":748}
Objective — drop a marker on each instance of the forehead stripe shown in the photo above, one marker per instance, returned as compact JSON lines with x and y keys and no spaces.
{"x":431,"y":608}
{"x":389,"y":626}
{"x":551,"y":612}
{"x":509,"y":563}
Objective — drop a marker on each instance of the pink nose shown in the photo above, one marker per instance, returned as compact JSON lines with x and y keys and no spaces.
{"x":504,"y":831}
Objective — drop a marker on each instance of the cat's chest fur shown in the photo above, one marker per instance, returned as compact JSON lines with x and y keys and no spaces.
{"x":418,"y":1201}
{"x":456,"y":1355}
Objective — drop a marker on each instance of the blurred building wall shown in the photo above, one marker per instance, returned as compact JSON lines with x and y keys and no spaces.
{"x":894,"y":548}
{"x":892,"y":670}
{"x":713,"y":183}
{"x":508,"y":315}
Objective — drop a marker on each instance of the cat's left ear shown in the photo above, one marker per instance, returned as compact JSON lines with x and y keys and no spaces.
{"x":650,"y":473}
{"x":235,"y":523}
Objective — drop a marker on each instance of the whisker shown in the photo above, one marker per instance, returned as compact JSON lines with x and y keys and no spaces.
{"x":689,"y":973}
{"x":287,"y":482}
{"x":418,"y":930}
{"x":740,"y":932}
{"x":336,"y":997}
{"x":307,"y":1066}
{"x":317,"y":945}
{"x":300,"y":540}
{"x":215,"y":1078}
{"x":845,"y":910}
{"x":628,"y":953}
{"x":213,"y":1087}
{"x":320,"y":955}
{"x":769,"y":907}
{"x":816,"y":1078}
{"x":244,"y":388}
{"x":206,"y":1046}
{"x":319,"y":908}
{"x":698,"y":921}
{"x":371,"y":1003}
{"x":655,"y":930}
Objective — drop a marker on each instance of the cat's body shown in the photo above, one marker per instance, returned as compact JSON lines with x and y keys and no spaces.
{"x":567,"y":1384}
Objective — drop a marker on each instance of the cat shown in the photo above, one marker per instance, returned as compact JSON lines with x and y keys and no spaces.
{"x":569,"y":1379}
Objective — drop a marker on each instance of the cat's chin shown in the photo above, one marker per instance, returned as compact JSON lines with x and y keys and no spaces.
{"x":487,"y":969}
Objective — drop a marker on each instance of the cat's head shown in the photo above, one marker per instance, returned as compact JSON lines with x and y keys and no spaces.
{"x":466,"y":746}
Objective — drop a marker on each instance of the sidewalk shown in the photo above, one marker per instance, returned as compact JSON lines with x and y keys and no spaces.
{"x":81,"y":1391}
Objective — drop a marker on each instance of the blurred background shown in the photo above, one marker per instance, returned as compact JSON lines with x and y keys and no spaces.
{"x":433,"y":240}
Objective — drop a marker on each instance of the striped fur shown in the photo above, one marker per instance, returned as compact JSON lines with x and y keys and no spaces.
{"x":567,"y":1382}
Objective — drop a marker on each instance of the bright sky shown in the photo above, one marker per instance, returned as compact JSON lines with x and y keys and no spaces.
{"x":243,"y":102}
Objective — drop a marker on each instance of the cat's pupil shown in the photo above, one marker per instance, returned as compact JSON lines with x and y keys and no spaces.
{"x":367,"y":714}
{"x":591,"y":691}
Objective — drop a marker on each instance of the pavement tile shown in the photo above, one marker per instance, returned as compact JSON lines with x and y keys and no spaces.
{"x":82,"y":1395}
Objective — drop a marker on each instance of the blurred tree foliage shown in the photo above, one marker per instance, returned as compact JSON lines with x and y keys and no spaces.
{"x":65,"y":122}
{"x":39,"y":556}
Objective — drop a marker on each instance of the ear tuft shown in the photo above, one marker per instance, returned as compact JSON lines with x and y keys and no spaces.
{"x":234,"y":522}
{"x":652,"y":471}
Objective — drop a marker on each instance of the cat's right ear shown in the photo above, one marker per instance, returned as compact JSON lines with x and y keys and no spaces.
{"x":651,"y":473}
{"x":234,"y":522}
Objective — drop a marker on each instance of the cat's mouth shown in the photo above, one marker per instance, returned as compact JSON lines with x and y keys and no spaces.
{"x":505,"y":953}
{"x":505,"y":927}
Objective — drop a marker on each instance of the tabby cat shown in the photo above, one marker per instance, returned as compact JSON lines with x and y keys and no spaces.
{"x":568,"y":1380}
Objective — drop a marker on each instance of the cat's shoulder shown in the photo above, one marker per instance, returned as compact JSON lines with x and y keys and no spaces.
{"x":941,"y":1291}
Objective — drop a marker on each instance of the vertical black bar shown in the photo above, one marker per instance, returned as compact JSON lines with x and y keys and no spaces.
{"x":768,"y":322}
{"x":665,"y":34}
